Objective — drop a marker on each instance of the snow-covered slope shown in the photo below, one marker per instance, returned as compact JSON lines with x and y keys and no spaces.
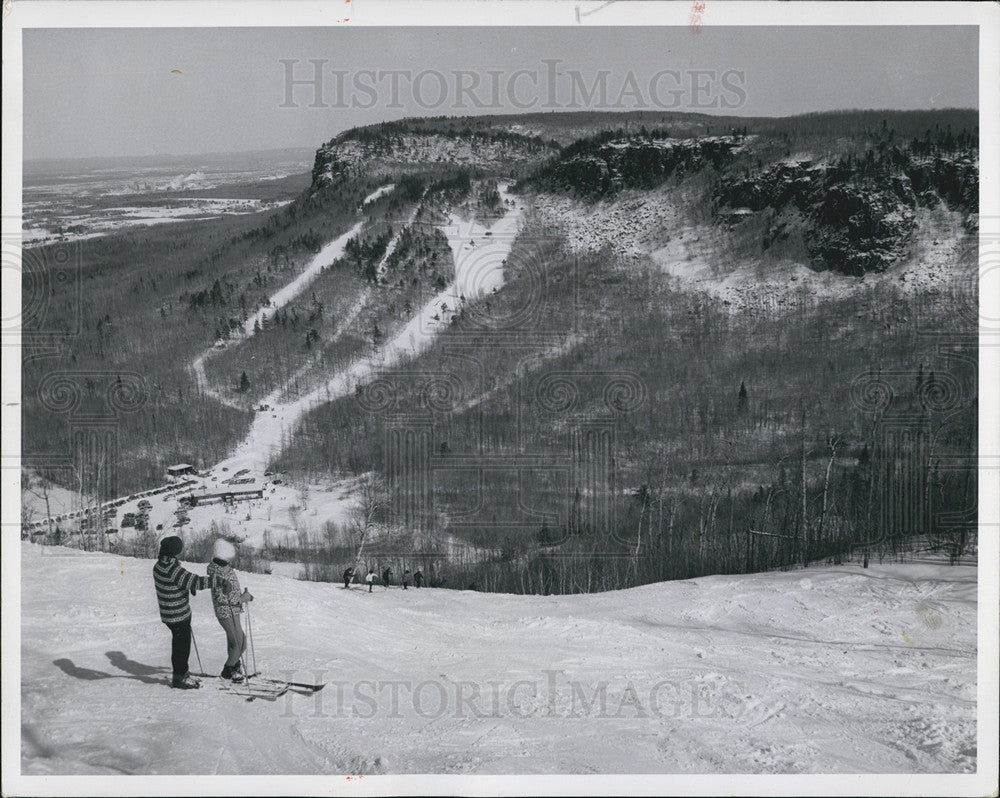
{"x":653,"y":224}
{"x":835,"y":669}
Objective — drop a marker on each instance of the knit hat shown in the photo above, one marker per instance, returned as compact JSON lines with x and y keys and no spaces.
{"x":170,"y":546}
{"x":223,"y":550}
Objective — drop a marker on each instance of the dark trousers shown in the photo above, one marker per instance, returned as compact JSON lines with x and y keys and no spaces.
{"x":180,"y":646}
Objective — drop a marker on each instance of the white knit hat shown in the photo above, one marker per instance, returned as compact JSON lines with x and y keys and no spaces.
{"x":223,"y":550}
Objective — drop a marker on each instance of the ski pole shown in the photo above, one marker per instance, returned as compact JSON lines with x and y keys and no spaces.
{"x":201,"y":667}
{"x":253,"y":652}
{"x":242,"y":660}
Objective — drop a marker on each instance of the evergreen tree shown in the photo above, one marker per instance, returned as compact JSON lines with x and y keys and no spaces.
{"x":742,"y":401}
{"x":244,"y":382}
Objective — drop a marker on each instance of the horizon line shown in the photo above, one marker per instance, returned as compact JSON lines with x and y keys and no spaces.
{"x":662,"y":112}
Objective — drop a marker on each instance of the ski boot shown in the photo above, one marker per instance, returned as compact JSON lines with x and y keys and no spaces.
{"x":233,"y":673}
{"x":185,"y":682}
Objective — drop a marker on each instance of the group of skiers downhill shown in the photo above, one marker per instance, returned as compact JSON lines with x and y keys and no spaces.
{"x":173,"y":584}
{"x":371,"y":578}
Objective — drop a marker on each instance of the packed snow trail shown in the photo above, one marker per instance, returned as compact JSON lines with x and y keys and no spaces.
{"x":381,"y":191}
{"x":327,"y":255}
{"x":288,"y":292}
{"x":824,"y":670}
{"x":479,"y":260}
{"x":280,"y":395}
{"x":278,"y":299}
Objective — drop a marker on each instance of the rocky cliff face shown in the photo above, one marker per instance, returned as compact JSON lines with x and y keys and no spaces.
{"x":860,"y":214}
{"x":362,"y":151}
{"x":597,"y":168}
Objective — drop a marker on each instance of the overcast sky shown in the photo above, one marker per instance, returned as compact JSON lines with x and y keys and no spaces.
{"x":157,"y":91}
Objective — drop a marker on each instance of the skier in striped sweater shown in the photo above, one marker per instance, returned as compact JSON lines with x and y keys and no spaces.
{"x":173,"y":583}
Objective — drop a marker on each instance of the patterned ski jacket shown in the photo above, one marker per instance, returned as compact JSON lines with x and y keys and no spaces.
{"x":226,"y":596}
{"x":173,"y":583}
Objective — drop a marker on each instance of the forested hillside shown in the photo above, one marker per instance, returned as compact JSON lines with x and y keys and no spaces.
{"x":606,"y":413}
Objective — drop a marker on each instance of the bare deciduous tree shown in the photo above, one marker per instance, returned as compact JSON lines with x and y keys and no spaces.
{"x":367,"y":513}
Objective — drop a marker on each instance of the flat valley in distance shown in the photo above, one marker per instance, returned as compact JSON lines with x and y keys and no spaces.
{"x":78,"y":198}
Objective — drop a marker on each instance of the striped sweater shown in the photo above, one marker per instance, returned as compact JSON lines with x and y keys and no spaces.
{"x":173,"y":583}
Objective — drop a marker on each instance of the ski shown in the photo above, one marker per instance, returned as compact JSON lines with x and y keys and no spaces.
{"x":298,"y":687}
{"x":312,"y":688}
{"x":252,"y":692}
{"x":268,"y":686}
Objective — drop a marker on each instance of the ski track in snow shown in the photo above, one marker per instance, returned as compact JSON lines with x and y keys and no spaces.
{"x":478,"y":253}
{"x":832,"y":669}
{"x":279,"y":395}
{"x":289,"y":291}
{"x":327,"y":255}
{"x":279,"y":299}
{"x":478,"y":271}
{"x":381,"y":191}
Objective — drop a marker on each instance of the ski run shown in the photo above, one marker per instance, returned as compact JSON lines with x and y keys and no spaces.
{"x":835,"y":669}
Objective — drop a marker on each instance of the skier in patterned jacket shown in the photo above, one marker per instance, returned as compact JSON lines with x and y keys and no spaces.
{"x":228,"y":602}
{"x":173,"y":583}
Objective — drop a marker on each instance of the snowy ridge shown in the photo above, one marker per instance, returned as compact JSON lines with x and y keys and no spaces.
{"x":831,"y":669}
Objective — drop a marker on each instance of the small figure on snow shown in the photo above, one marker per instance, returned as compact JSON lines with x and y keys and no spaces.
{"x":387,"y":578}
{"x":228,"y":602}
{"x":370,"y":579}
{"x":418,"y":578}
{"x":348,"y":576}
{"x":173,"y":582}
{"x":406,"y":578}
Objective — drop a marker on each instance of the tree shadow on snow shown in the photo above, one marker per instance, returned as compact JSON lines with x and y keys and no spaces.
{"x":135,"y":670}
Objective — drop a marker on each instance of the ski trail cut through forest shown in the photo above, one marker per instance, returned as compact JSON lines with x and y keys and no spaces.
{"x":478,"y":270}
{"x":281,"y":297}
{"x":321,"y":260}
{"x":280,"y":395}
